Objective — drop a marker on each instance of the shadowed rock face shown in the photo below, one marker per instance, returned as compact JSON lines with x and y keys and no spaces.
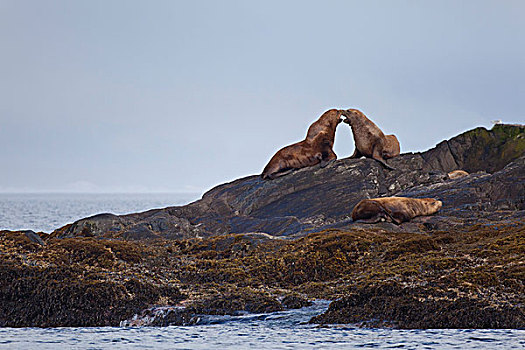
{"x":315,"y":198}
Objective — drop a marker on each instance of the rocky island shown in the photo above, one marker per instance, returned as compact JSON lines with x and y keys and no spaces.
{"x":257,"y":246}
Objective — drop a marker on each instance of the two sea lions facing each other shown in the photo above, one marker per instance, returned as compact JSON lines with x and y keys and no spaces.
{"x":394,"y":209}
{"x":369,"y":140}
{"x":317,"y":148}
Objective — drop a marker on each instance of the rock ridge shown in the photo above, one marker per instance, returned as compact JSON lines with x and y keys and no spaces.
{"x":312,"y":198}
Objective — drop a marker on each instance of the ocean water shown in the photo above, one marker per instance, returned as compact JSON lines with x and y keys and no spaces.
{"x":49,"y":211}
{"x":280,"y":330}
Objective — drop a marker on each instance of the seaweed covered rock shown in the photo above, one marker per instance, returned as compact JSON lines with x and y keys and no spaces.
{"x":236,"y":302}
{"x":57,"y":297}
{"x":394,"y":305}
{"x":295,"y":301}
{"x":377,"y":277}
{"x":73,"y":282}
{"x":264,"y":246}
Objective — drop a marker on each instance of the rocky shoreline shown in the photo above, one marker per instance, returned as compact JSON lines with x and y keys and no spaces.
{"x":262,"y":246}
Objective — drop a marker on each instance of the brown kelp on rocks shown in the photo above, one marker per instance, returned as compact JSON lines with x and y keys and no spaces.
{"x":263,"y":246}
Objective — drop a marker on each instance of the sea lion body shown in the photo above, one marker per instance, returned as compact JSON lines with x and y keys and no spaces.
{"x":300,"y":155}
{"x":327,"y":122}
{"x":394,"y":209}
{"x":391,"y":148}
{"x":369,"y":140}
{"x":456,"y":174}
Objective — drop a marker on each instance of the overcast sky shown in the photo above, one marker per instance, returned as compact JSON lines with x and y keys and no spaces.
{"x":185,"y":95}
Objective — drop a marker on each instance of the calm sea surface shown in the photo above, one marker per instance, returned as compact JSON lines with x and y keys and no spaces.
{"x":280,"y":330}
{"x":49,"y":211}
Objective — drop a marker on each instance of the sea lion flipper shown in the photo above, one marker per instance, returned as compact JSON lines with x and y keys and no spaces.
{"x":397,"y":216}
{"x":376,"y":154}
{"x":372,"y":220}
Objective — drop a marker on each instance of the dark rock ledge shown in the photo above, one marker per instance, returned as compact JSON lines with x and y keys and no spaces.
{"x":262,"y":246}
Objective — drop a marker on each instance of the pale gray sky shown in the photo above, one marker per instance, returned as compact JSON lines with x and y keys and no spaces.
{"x":184,"y":95}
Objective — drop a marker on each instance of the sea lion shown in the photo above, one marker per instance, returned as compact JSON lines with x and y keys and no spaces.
{"x":456,"y":174}
{"x":300,"y":155}
{"x":394,"y":209}
{"x":369,"y":140}
{"x":391,"y":148}
{"x":327,"y":122}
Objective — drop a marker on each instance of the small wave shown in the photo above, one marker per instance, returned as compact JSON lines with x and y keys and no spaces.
{"x":487,"y":340}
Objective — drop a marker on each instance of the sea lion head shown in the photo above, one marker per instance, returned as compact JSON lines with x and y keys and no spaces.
{"x":431,"y":205}
{"x":333,"y":115}
{"x":351,"y":114}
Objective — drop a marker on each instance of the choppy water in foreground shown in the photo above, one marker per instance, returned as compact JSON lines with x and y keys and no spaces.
{"x":280,"y":330}
{"x":49,"y":211}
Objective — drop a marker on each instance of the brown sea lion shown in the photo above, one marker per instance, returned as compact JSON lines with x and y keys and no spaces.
{"x":394,"y":209}
{"x":369,"y":140}
{"x":456,"y":174}
{"x":391,"y":148}
{"x":327,"y":122}
{"x":300,"y":155}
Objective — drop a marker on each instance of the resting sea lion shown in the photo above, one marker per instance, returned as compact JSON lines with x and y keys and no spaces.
{"x":369,"y":140}
{"x":327,"y":122}
{"x":300,"y":155}
{"x":456,"y":174}
{"x":394,"y":209}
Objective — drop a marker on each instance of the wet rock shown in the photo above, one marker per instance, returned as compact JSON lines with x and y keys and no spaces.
{"x":33,"y":237}
{"x":25,"y":239}
{"x":97,"y":225}
{"x":237,"y":302}
{"x":163,"y":316}
{"x":295,"y":301}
